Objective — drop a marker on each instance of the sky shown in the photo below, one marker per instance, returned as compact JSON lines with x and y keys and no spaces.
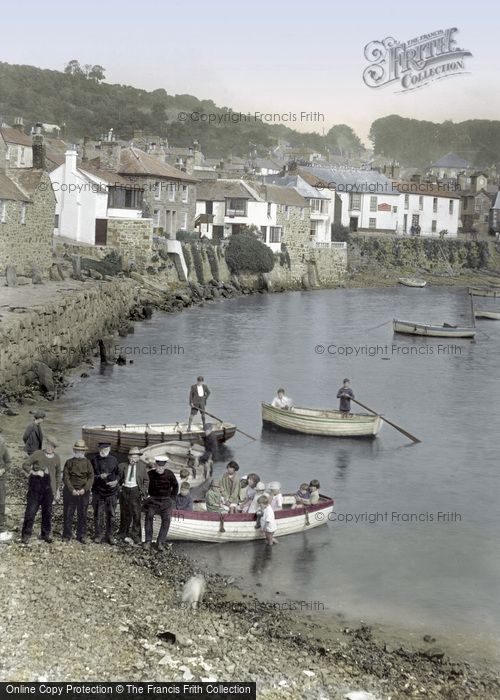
{"x":271,"y":57}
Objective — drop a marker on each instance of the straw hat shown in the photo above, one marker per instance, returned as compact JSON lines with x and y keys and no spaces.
{"x":80,"y":446}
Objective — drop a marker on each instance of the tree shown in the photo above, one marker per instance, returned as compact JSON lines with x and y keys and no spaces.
{"x":96,"y":73}
{"x":344,"y":139}
{"x":73,"y":68}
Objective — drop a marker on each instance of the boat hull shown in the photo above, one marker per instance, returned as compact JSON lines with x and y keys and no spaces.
{"x":201,"y":526}
{"x":491,"y":315}
{"x":321,"y":422}
{"x":408,"y":282}
{"x":476,"y":292}
{"x":181,"y":455}
{"x":123,"y":437}
{"x":410,"y":328}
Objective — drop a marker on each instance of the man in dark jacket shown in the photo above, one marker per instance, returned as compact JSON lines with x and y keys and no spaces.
{"x":198,"y":395}
{"x":134,"y":488}
{"x":43,"y":468}
{"x":33,"y":435}
{"x":107,"y":475}
{"x":78,"y":476}
{"x":5,"y":462}
{"x":345,"y":394}
{"x":163,"y":488}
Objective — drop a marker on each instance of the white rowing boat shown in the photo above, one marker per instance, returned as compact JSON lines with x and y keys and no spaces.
{"x":412,"y":282}
{"x":484,"y":291}
{"x":123,"y":437}
{"x":181,"y":455}
{"x":201,"y":526}
{"x":319,"y":421}
{"x":446,"y":330}
{"x":491,"y":315}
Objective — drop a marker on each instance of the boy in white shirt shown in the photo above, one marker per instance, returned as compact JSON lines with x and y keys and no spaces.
{"x":268,"y":521}
{"x":282,"y":401}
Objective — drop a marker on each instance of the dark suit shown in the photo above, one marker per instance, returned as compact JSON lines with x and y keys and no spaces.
{"x":198,"y":402}
{"x":131,"y":501}
{"x":33,"y":438}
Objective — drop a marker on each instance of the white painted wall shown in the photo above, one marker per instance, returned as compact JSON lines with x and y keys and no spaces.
{"x":426,"y":214}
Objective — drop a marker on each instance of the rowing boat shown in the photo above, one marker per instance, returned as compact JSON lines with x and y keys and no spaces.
{"x":491,"y":315}
{"x":484,"y":291}
{"x":412,"y":282}
{"x":320,"y":421}
{"x":181,"y":455}
{"x":201,"y":526}
{"x":444,"y":331}
{"x":123,"y":437}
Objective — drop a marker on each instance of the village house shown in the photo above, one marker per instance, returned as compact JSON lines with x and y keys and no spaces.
{"x":16,"y":151}
{"x":494,"y":220}
{"x":449,"y":167}
{"x":27,"y":208}
{"x":434,"y":208}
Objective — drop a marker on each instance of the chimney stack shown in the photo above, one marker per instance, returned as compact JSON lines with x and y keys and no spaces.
{"x":70,"y":159}
{"x":109,"y":157}
{"x":19,"y":124}
{"x":38,"y":148}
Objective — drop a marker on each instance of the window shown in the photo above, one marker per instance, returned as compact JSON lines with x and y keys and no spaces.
{"x":319,"y":206}
{"x":3,"y":211}
{"x":287,"y":212}
{"x":22,"y":213}
{"x":434,"y":226}
{"x":185,"y":194}
{"x":451,"y":206}
{"x":407,"y":201}
{"x":372,"y":223}
{"x":184,"y":221}
{"x":313,"y":230}
{"x":236,"y":207}
{"x":354,"y":201}
{"x":56,"y":220}
{"x":156,"y":218}
{"x":157,"y":189}
{"x":209,"y":207}
{"x":435,"y":205}
{"x":274,"y":234}
{"x":269,"y":206}
{"x":171,"y":192}
{"x":22,"y":156}
{"x":263,"y":231}
{"x":373,"y":204}
{"x":421,"y":202}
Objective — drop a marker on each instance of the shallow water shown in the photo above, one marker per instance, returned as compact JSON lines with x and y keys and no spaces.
{"x":430,"y":573}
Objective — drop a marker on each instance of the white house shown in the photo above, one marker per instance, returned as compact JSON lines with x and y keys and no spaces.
{"x":434,"y":208}
{"x":87,"y":198}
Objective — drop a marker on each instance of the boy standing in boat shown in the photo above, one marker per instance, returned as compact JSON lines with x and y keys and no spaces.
{"x":198,"y":395}
{"x":345,"y":394}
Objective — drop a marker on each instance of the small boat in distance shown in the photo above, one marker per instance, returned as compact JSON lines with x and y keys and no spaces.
{"x":123,"y":437}
{"x":491,"y":315}
{"x":484,"y":291}
{"x":446,"y":330}
{"x":412,"y":282}
{"x":321,"y":421}
{"x":198,"y":525}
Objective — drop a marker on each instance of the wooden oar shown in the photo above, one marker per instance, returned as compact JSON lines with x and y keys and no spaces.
{"x":401,"y":430}
{"x":221,"y":421}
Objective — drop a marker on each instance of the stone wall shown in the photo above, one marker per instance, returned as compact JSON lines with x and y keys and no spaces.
{"x":133,"y":239}
{"x":29,"y":245}
{"x":329,"y":265}
{"x":295,"y":244}
{"x":61,"y":332}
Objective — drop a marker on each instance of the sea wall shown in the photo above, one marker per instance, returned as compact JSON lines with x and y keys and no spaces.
{"x":62,"y":331}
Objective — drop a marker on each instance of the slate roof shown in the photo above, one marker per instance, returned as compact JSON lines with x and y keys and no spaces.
{"x":110,"y":177}
{"x":350,"y":179}
{"x":496,"y":203}
{"x":133,"y":161}
{"x":10,"y":190}
{"x":27,"y":179}
{"x":218,"y":190}
{"x":11,"y":135}
{"x":299,"y":184}
{"x":451,"y":160}
{"x":280,"y":195}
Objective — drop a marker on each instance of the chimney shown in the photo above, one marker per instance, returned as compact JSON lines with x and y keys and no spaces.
{"x":109,"y":158}
{"x":19,"y":124}
{"x":38,"y":147}
{"x":70,"y":160}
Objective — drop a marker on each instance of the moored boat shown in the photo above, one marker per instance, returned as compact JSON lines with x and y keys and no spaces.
{"x":181,"y":455}
{"x":320,"y":421}
{"x":199,"y":525}
{"x":412,"y":282}
{"x":445,"y":330}
{"x":123,"y":437}
{"x":484,"y":291}
{"x":491,"y":315}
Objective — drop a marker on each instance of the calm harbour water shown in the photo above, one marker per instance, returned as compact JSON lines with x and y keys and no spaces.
{"x":435,"y":575}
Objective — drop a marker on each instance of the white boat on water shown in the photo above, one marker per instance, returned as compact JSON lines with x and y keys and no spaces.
{"x":445,"y":330}
{"x":491,"y":315}
{"x":320,"y":421}
{"x":412,"y":282}
{"x":484,"y":291}
{"x":200,"y":526}
{"x":181,"y":455}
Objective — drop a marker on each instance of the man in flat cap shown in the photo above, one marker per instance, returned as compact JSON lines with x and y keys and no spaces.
{"x":345,"y":394}
{"x":134,"y":488}
{"x":33,"y":435}
{"x":198,"y":395}
{"x":78,"y":476}
{"x":163,"y":488}
{"x":43,"y":468}
{"x":107,"y":476}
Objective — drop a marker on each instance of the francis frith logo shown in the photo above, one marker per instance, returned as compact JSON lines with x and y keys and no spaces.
{"x":414,"y":63}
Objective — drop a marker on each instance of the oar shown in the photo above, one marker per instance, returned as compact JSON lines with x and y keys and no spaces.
{"x":221,"y":421}
{"x":401,"y":430}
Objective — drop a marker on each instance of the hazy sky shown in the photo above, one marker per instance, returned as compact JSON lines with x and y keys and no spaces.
{"x":264,"y":56}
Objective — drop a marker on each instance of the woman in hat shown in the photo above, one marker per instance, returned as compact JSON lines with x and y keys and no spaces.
{"x":134,"y":488}
{"x":33,"y":435}
{"x":43,"y":468}
{"x":78,"y":477}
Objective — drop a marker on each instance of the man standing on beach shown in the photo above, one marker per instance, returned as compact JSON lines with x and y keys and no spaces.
{"x":134,"y":487}
{"x":33,"y":435}
{"x":198,"y":395}
{"x":5,"y":462}
{"x":43,"y":468}
{"x":78,"y":476}
{"x":163,"y":488}
{"x":345,"y":394}
{"x":107,"y":476}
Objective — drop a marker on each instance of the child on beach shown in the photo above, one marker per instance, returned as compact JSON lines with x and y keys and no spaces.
{"x":268,"y":521}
